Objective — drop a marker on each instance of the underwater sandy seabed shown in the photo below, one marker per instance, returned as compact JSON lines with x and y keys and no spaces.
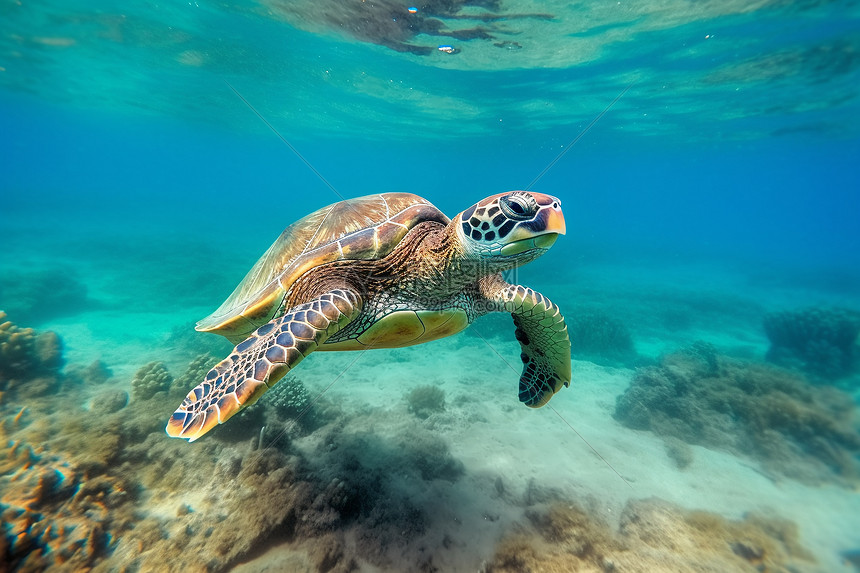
{"x":706,"y":456}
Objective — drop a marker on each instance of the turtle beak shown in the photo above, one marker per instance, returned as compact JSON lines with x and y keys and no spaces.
{"x":553,"y":227}
{"x":555,"y":221}
{"x":540,"y":234}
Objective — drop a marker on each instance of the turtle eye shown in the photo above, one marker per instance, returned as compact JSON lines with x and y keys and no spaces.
{"x":518,"y":206}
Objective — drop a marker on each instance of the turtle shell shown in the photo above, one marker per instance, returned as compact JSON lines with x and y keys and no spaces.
{"x":365,"y":228}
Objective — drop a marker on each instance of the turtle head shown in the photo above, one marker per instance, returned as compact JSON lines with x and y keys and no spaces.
{"x":510,"y":229}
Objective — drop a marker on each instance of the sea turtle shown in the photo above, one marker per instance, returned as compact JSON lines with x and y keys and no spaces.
{"x":383,"y":271}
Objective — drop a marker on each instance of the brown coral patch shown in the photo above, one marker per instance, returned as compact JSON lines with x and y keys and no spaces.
{"x":653,"y":536}
{"x":30,"y":363}
{"x":52,"y":514}
{"x":800,"y":430}
{"x":149,"y":380}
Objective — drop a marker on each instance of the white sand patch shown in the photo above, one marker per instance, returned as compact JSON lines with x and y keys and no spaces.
{"x":122,"y":340}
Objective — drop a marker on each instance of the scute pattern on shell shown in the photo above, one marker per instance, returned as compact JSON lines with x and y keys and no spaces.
{"x":363,"y":228}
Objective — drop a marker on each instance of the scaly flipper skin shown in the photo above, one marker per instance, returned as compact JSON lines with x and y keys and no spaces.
{"x":257,"y":363}
{"x":543,"y":338}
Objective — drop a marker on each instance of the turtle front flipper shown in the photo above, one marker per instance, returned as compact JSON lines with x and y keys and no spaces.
{"x":257,"y":363}
{"x":543,"y":338}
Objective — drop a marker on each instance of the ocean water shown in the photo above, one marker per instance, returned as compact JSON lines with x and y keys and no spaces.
{"x":706,"y":156}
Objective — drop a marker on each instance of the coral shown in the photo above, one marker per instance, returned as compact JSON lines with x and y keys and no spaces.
{"x":653,"y":536}
{"x":292,"y":406}
{"x":149,"y":380}
{"x":193,"y":374}
{"x":246,"y":499}
{"x":242,"y":496}
{"x":239,"y":515}
{"x":52,"y":515}
{"x":29,"y":359}
{"x":209,"y":505}
{"x":514,"y":554}
{"x":110,"y":401}
{"x":599,"y":337}
{"x":54,"y":512}
{"x":289,"y":398}
{"x":803,"y":431}
{"x":103,"y":444}
{"x":91,"y":516}
{"x":818,"y":341}
{"x":423,"y":401}
{"x":584,"y":535}
{"x":20,"y":355}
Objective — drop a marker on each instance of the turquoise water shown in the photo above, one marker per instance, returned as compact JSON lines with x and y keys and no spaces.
{"x":722,"y":185}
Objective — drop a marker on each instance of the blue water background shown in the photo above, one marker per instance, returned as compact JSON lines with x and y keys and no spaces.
{"x":791,"y":200}
{"x":738,"y":138}
{"x":723,"y":183}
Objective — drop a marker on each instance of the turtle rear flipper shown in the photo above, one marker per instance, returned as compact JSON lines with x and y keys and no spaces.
{"x":259,"y":362}
{"x":543,"y":338}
